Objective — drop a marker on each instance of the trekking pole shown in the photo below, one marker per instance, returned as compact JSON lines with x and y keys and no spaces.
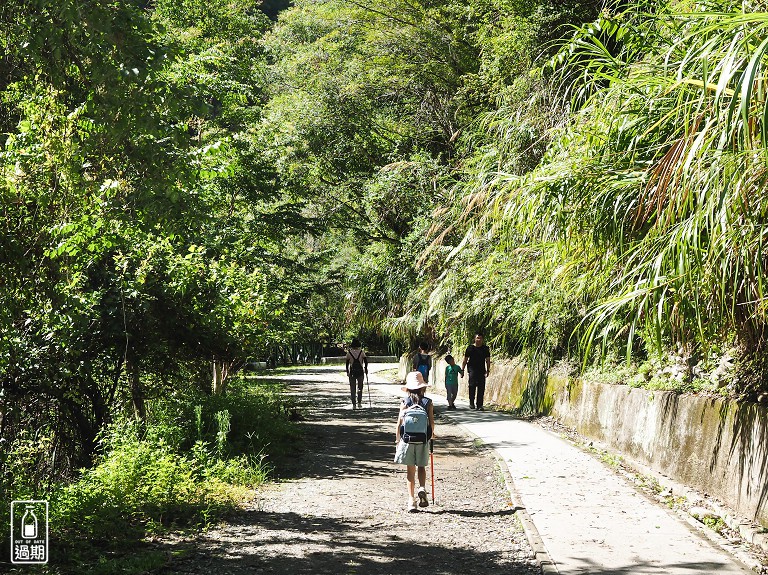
{"x":369,"y":389}
{"x":432,"y":466}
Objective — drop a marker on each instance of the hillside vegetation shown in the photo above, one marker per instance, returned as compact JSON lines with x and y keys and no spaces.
{"x":188,"y":185}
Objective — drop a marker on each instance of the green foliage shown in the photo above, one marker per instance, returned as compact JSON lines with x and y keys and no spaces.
{"x":642,"y":212}
{"x":674,"y":191}
{"x":141,"y":241}
{"x":176,"y":471}
{"x":139,"y":238}
{"x":166,"y":475}
{"x":185,"y":186}
{"x":256,"y":416}
{"x":716,"y":524}
{"x":380,"y":114}
{"x":140,"y":482}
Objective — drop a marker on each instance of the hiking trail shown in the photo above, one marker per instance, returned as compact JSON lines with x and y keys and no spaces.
{"x":340,"y":505}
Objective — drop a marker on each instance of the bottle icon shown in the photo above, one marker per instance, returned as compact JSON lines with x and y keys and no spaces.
{"x":29,"y":523}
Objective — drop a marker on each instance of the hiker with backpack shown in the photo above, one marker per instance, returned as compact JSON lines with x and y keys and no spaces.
{"x":356,"y":367}
{"x":422,"y":362}
{"x":415,"y":427}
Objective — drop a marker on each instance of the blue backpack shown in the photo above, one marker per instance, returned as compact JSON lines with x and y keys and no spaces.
{"x":415,"y":428}
{"x":423,"y":367}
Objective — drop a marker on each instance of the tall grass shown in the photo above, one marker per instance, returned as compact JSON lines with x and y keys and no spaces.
{"x":678,"y":132}
{"x":643,"y":226}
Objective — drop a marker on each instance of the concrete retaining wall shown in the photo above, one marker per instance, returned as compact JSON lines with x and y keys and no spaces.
{"x":714,"y":445}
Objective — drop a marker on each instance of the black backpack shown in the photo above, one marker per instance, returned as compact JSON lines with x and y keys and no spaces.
{"x":357,"y":366}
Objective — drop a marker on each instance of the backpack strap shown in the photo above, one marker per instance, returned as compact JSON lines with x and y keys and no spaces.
{"x":425,"y":401}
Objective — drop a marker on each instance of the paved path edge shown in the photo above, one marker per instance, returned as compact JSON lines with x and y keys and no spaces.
{"x":548,"y":565}
{"x":541,"y":554}
{"x":689,"y":493}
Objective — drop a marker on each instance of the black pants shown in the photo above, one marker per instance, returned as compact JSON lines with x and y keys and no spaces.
{"x":356,"y":381}
{"x":476,"y":386}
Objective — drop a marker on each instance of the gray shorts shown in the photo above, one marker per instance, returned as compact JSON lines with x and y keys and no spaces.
{"x":412,"y":453}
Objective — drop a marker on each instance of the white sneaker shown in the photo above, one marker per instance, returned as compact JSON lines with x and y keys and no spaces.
{"x":412,"y":505}
{"x":422,"y":493}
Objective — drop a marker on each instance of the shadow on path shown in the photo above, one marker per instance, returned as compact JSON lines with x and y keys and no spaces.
{"x":291,"y":543}
{"x":340,"y":503}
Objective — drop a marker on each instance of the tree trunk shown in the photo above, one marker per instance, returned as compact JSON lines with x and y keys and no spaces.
{"x":220,"y":372}
{"x":137,"y":394}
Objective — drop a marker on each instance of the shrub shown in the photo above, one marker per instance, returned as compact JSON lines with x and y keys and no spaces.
{"x":138,"y":483}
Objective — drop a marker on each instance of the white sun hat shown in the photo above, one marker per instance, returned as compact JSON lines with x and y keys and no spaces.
{"x":414,"y":381}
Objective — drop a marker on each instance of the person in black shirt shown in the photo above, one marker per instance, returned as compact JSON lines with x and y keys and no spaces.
{"x":477,"y":360}
{"x":356,"y":367}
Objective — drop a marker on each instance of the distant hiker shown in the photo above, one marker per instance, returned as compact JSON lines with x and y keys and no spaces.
{"x":477,"y":360}
{"x":423,"y":361}
{"x":356,"y":367}
{"x":415,"y":427}
{"x":452,"y":372}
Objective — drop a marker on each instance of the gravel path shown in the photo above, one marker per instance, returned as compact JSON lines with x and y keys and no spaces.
{"x":340,"y":507}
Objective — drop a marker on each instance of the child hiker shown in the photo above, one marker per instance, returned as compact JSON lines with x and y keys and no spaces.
{"x":452,"y":372}
{"x":415,"y":427}
{"x":357,"y":367}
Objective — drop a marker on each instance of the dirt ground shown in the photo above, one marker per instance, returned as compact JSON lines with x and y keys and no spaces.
{"x":340,"y":505}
